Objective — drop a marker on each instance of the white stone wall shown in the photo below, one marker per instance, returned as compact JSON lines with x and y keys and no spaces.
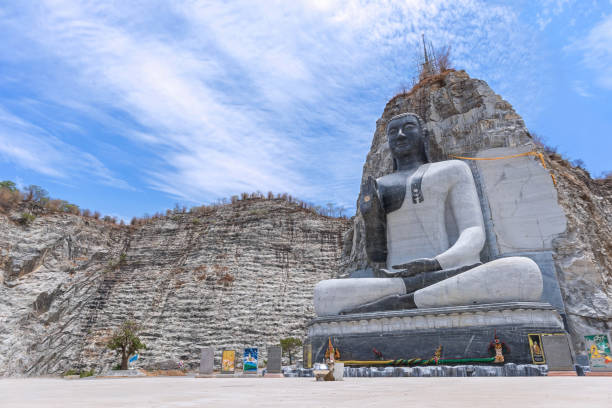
{"x":525,"y":212}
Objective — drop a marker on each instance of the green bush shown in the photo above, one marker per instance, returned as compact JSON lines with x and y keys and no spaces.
{"x":71,"y":208}
{"x":9,"y":185}
{"x":125,"y":341}
{"x":289,"y":346}
{"x":89,"y":373}
{"x":27,"y":218}
{"x":71,"y":372}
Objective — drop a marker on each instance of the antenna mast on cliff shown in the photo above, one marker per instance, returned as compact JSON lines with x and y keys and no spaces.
{"x":421,"y":97}
{"x":426,"y":69}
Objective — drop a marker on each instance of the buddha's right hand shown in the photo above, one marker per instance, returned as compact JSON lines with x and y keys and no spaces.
{"x":369,"y":195}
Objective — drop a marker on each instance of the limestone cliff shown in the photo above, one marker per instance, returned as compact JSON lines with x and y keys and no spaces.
{"x":571,"y":223}
{"x":237,"y":275}
{"x":583,"y":254}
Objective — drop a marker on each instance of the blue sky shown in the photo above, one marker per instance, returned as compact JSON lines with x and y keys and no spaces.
{"x":130,"y":107}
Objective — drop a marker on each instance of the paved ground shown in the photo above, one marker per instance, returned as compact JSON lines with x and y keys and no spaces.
{"x":489,"y":392}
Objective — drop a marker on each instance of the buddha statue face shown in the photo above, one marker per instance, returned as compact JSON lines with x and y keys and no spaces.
{"x":405,"y":137}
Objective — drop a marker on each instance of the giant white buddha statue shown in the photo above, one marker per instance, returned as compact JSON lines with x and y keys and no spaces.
{"x":425,"y":222}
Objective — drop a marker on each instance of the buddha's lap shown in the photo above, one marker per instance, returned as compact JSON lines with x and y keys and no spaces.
{"x":501,"y":280}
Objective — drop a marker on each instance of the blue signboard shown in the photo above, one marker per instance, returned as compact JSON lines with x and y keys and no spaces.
{"x":249,"y":361}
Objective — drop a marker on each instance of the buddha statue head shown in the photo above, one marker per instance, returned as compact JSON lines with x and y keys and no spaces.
{"x":407,"y":141}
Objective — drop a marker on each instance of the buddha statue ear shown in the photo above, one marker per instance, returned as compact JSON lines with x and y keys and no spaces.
{"x":394,"y":164}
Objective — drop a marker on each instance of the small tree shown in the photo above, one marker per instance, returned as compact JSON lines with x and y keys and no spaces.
{"x":36,"y":194}
{"x":289,"y":345}
{"x":9,"y":185}
{"x":126,"y":342}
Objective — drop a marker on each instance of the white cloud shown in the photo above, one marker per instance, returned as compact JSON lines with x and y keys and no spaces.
{"x":597,"y":51}
{"x":550,"y":9}
{"x":33,"y":148}
{"x":238,"y":96}
{"x":581,"y":89}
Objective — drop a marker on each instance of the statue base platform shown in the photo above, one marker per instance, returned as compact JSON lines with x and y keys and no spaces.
{"x":464,"y":332}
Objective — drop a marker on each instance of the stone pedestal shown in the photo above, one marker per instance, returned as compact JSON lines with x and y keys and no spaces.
{"x":462,"y":331}
{"x":338,"y":371}
{"x":207,"y":359}
{"x":273,"y":365}
{"x":558,"y":353}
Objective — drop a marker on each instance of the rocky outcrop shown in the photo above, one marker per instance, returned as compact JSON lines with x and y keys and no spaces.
{"x":233,"y":276}
{"x":583,"y":254}
{"x":464,"y":117}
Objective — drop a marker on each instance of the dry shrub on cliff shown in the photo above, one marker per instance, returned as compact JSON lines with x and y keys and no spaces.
{"x":329,"y":210}
{"x":222,"y":273}
{"x":552,"y":152}
{"x":218,"y":269}
{"x":441,"y":59}
{"x":35,"y":199}
{"x":201,"y":268}
{"x":542,"y":143}
{"x":430,"y":65}
{"x":54,"y":205}
{"x":9,"y":199}
{"x":109,"y":219}
{"x":226,"y":280}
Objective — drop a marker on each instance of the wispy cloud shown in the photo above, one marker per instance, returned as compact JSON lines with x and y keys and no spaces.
{"x":597,"y":52}
{"x":581,"y":89}
{"x":35,"y":149}
{"x":224,"y":97}
{"x":550,"y":9}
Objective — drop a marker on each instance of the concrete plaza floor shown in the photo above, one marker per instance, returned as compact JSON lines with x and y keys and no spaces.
{"x":473,"y":392}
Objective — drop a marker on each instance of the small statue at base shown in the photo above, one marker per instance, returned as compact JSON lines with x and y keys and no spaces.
{"x":498,"y":348}
{"x":331,"y":355}
{"x":424,"y":221}
{"x":437,"y":355}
